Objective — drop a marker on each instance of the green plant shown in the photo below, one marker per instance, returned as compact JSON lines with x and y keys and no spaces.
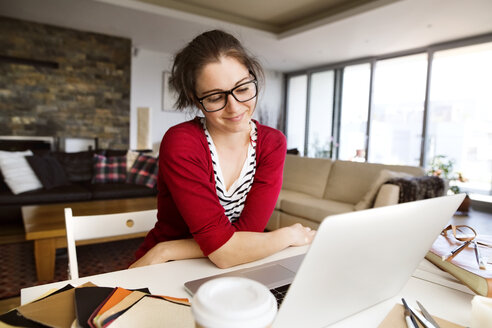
{"x":443,"y":167}
{"x":323,"y":150}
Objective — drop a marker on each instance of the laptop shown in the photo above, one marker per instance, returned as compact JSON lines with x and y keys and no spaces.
{"x":356,"y":260}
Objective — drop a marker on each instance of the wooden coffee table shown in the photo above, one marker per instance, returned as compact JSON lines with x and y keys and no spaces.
{"x":45,"y":224}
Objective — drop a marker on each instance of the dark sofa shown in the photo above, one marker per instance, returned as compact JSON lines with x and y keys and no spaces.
{"x":78,"y":171}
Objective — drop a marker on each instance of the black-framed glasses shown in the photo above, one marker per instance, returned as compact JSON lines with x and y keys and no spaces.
{"x":218,"y":100}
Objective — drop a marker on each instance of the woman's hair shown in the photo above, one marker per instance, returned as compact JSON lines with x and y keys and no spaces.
{"x":205,"y":49}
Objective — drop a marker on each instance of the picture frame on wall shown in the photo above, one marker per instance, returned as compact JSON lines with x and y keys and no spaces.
{"x":169,"y":97}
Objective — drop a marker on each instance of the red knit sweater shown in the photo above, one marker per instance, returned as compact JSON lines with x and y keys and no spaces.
{"x":187,"y":201}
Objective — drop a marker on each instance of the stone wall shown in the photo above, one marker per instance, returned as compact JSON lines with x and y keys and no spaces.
{"x":65,"y":83}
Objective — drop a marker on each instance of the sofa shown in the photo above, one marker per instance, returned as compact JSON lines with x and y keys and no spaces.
{"x":71,"y":177}
{"x":314,"y":188}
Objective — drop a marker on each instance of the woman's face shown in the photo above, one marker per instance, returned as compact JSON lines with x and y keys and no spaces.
{"x":224,"y":75}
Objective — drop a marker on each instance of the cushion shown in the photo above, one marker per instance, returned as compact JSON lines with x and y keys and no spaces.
{"x":17,"y":173}
{"x":78,"y":166}
{"x":314,"y":209}
{"x":109,"y":169}
{"x":48,"y":170}
{"x":131,"y":157}
{"x":290,"y":195}
{"x":384,"y":175}
{"x":144,"y":171}
{"x":350,"y":181}
{"x":306,"y":175}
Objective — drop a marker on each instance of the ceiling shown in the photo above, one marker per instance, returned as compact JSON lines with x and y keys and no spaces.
{"x":286,"y":35}
{"x":276,"y":16}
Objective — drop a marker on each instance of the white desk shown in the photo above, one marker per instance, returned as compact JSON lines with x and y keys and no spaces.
{"x":168,"y":279}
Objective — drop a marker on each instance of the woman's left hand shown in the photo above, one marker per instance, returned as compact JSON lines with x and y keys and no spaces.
{"x":155,"y":255}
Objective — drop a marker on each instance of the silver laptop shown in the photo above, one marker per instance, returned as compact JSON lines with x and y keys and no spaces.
{"x":356,"y":260}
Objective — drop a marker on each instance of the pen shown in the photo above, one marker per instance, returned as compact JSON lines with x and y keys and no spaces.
{"x":480,"y":260}
{"x":410,"y":320}
{"x":455,"y":251}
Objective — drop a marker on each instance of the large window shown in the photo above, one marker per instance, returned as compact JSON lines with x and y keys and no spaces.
{"x":398,"y":110}
{"x":354,"y":112}
{"x":392,"y":110}
{"x":460,"y":112}
{"x":296,"y":112}
{"x":320,"y":140}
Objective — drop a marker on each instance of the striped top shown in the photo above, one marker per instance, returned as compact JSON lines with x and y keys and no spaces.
{"x":233,"y":199}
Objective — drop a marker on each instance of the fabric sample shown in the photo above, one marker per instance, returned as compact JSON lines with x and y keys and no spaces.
{"x":17,"y":172}
{"x":150,"y":310}
{"x":144,"y":171}
{"x":87,"y":300}
{"x":109,"y":169}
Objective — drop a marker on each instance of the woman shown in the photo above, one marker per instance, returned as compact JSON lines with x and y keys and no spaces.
{"x":219,"y":176}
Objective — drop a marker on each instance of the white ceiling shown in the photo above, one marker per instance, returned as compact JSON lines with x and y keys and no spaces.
{"x":385,"y":28}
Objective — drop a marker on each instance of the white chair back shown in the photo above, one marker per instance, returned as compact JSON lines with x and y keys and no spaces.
{"x":103,"y":226}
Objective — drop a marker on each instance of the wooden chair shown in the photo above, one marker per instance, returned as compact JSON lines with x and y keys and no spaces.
{"x":103,"y":226}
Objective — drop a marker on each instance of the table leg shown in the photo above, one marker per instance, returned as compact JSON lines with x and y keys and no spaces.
{"x":44,"y":255}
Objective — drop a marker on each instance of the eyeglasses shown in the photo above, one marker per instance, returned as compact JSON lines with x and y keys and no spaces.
{"x":218,"y":100}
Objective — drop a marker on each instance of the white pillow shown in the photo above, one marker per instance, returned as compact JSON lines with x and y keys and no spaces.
{"x":17,"y":172}
{"x":384,"y":175}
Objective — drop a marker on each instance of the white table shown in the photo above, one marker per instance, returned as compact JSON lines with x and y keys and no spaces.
{"x":168,"y":279}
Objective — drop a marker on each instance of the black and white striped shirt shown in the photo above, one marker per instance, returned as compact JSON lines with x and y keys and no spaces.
{"x":233,"y":200}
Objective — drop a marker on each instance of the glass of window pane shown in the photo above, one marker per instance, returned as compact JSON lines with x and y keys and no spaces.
{"x":460,"y":113}
{"x":397,"y":111}
{"x":296,"y":112}
{"x":355,"y":105}
{"x":320,"y":141}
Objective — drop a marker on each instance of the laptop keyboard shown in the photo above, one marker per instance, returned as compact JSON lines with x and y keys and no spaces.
{"x":279,"y":293}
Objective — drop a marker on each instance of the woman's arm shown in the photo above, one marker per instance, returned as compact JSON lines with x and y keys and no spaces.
{"x":241,"y":248}
{"x":165,"y":251}
{"x":244,"y":246}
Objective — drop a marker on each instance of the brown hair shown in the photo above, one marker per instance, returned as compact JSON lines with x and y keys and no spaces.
{"x":206,"y":48}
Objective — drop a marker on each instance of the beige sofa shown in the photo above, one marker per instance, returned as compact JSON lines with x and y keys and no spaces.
{"x":314,"y":188}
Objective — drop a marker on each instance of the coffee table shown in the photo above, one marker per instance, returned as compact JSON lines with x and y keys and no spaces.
{"x":45,"y":225}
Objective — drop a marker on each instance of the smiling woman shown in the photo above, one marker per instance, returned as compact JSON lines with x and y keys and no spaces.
{"x":219,"y":175}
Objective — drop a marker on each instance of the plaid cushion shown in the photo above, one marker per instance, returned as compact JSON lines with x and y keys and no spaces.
{"x":144,"y":171}
{"x":109,"y":169}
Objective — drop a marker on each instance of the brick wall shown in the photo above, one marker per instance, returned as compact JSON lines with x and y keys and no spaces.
{"x":65,"y":83}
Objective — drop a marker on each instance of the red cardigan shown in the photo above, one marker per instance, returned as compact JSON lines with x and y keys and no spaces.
{"x":187,"y":201}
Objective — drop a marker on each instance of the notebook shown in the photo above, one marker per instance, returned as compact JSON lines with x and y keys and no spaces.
{"x":356,"y":260}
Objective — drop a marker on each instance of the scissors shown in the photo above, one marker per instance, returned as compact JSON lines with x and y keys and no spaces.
{"x":425,"y":318}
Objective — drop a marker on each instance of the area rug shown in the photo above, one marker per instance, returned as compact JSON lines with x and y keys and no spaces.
{"x":18,"y":270}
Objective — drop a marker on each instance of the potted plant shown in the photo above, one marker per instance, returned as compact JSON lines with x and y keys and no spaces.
{"x":443,"y":167}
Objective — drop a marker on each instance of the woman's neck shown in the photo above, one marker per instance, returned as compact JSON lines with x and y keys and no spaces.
{"x":230,"y":140}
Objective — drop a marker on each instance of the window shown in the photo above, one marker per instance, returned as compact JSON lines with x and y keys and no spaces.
{"x":296,"y":112}
{"x":355,"y":106}
{"x":397,"y":112}
{"x":388,"y":94}
{"x":460,"y":113}
{"x":320,"y":114}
